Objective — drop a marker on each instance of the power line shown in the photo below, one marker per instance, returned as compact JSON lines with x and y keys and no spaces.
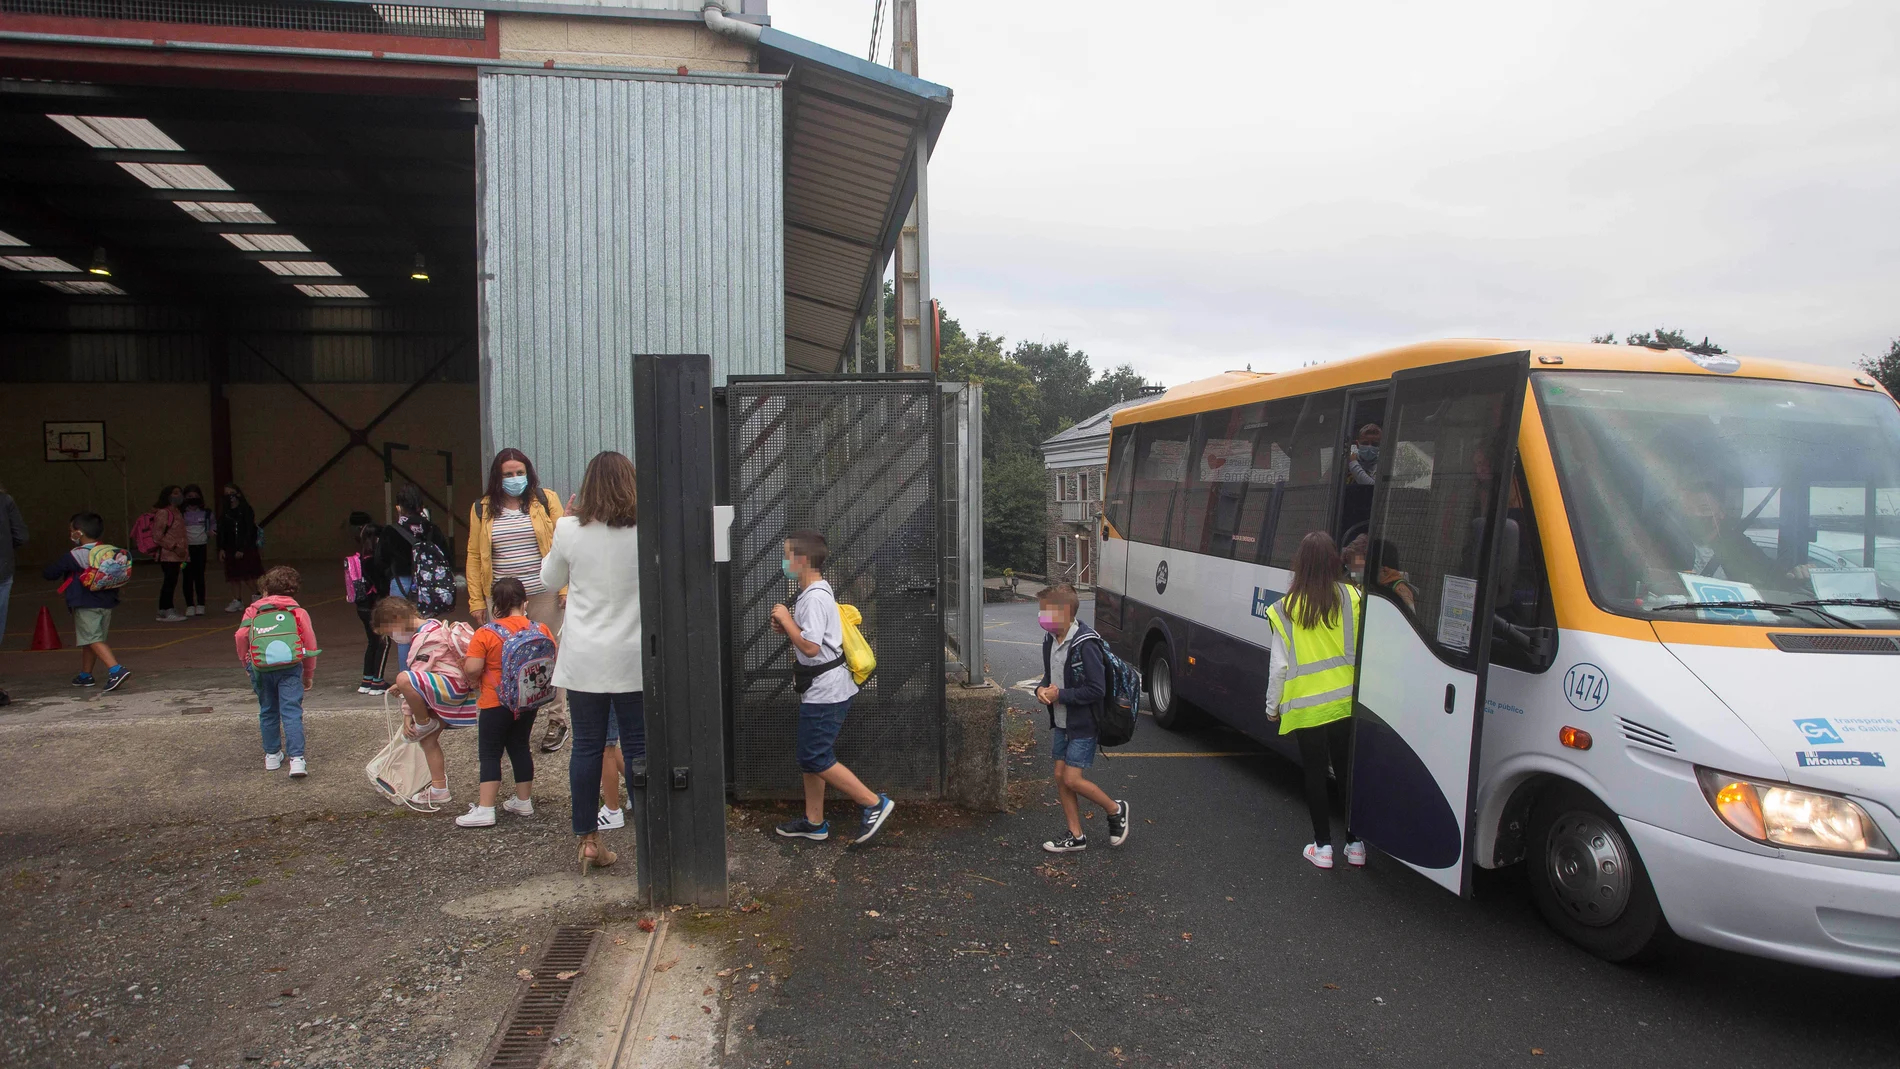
{"x":877,"y":27}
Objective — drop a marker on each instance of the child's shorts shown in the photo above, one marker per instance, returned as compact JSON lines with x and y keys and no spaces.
{"x":445,"y":696}
{"x":1076,"y":751}
{"x":91,"y":625}
{"x":613,"y":729}
{"x":818,"y":727}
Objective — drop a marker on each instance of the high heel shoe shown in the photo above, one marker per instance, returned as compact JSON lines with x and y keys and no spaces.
{"x":594,"y":853}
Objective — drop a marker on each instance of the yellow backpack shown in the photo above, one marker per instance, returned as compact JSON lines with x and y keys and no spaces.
{"x":857,"y":652}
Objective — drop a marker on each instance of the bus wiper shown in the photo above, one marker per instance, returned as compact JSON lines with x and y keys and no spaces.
{"x":1869,"y":603}
{"x":1767,"y":606}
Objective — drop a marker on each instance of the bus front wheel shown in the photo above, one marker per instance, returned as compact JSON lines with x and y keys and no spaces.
{"x":1589,"y":882}
{"x":1169,"y":710}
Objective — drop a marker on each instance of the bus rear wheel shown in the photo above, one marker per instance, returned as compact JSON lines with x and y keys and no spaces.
{"x":1589,"y":882}
{"x":1169,"y":710}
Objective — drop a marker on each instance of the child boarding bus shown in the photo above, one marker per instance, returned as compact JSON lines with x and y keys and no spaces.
{"x":1632,"y":616}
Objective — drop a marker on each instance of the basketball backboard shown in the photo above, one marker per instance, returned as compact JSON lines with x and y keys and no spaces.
{"x":75,"y":441}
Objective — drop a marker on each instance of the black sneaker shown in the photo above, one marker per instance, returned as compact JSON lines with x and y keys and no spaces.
{"x":874,"y":817}
{"x":804,"y":829}
{"x":1118,"y":824}
{"x":556,"y":736}
{"x":84,"y":679}
{"x":118,"y":675}
{"x":4,"y":700}
{"x":1074,"y":844}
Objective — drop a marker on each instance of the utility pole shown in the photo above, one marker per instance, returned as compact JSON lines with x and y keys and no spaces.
{"x":914,"y":349}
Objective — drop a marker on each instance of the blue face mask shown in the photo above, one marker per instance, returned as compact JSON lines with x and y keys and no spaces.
{"x":786,"y":567}
{"x":514,"y":485}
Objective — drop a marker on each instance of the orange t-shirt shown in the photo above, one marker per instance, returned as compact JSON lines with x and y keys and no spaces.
{"x":487,"y":645}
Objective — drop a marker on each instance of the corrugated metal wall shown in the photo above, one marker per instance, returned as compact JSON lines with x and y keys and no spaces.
{"x":621,"y":215}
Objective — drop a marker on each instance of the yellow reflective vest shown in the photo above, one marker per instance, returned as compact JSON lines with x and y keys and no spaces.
{"x":1320,"y":660}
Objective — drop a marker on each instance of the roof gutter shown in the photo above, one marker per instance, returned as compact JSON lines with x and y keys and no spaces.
{"x":719,"y":22}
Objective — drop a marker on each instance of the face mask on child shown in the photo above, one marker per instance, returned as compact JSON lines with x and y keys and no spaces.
{"x":1050,"y":623}
{"x":786,"y":567}
{"x":177,"y":500}
{"x":514,"y":485}
{"x":402,"y":638}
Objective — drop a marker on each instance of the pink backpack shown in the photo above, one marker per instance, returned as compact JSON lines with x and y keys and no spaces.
{"x":440,"y":647}
{"x":145,"y":533}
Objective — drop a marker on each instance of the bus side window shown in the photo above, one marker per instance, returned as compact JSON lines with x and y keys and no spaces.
{"x":1160,"y":464}
{"x":1121,"y":470}
{"x":1526,"y":639}
{"x":1306,"y":504}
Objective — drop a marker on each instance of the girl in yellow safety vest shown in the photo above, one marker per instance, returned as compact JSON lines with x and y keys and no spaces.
{"x":1309,"y":682}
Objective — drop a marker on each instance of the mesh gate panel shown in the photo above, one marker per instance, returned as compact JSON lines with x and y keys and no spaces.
{"x":860,"y":462}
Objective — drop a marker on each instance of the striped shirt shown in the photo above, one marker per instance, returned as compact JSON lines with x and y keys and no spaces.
{"x":517,"y":553}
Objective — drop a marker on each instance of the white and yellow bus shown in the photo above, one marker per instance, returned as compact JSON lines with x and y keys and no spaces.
{"x":1631,"y":618}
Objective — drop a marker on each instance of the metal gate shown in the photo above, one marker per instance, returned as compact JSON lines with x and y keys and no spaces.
{"x":858,"y":460}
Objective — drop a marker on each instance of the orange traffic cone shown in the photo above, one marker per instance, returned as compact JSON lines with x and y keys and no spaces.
{"x":45,"y":635}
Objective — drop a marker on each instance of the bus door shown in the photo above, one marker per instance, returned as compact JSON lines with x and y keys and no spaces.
{"x":1448,"y":447}
{"x":1111,"y":567}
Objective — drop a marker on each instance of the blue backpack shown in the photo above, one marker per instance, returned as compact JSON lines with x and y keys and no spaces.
{"x":1116,"y":725}
{"x":527,"y":668}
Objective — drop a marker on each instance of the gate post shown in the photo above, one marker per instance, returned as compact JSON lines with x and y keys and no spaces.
{"x":680,"y":813}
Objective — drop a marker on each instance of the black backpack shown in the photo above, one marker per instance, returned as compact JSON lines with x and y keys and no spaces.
{"x":435,"y":583}
{"x":1115,"y":725}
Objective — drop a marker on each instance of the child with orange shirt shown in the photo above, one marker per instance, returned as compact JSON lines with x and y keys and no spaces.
{"x":499,"y":727}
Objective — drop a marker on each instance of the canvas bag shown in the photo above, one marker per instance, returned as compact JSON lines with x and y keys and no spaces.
{"x":399,"y":770}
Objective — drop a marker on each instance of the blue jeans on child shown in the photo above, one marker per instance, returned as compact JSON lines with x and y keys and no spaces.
{"x":1076,"y":751}
{"x":818,"y":727}
{"x":589,"y":714}
{"x":280,"y":710}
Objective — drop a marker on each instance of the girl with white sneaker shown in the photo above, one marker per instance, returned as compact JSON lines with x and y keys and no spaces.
{"x":498,"y":727}
{"x":1309,"y":682}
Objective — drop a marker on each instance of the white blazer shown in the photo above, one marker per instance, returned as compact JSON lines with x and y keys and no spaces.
{"x":600,"y":635}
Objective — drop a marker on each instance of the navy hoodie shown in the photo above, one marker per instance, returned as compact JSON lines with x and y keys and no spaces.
{"x":1084,"y":679}
{"x":77,"y":596}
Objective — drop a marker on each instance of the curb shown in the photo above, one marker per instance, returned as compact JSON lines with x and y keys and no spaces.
{"x":637,"y":1003}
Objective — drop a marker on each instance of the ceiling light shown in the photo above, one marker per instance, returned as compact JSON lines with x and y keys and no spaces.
{"x":99,"y":264}
{"x":421,"y":271}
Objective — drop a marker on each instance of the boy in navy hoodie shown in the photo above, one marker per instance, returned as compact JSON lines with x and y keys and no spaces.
{"x":92,"y":609}
{"x":1075,"y":700}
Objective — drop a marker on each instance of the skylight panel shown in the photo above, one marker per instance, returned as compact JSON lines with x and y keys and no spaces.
{"x":299,"y":267}
{"x":9,"y":239}
{"x":35,"y":263}
{"x":223,"y":211}
{"x":176,"y":175}
{"x":102,"y":131}
{"x":266,"y":242}
{"x":83,"y":130}
{"x":332,"y":291}
{"x":88,"y":288}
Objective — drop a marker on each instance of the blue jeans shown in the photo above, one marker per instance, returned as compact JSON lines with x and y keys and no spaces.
{"x":818,"y":727}
{"x":280,"y":710}
{"x":1076,"y":751}
{"x":6,"y":595}
{"x":588,"y":713}
{"x":402,"y":586}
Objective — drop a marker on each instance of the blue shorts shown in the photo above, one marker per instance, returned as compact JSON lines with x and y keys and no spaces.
{"x":818,"y":727}
{"x":1076,"y":751}
{"x":613,"y":731}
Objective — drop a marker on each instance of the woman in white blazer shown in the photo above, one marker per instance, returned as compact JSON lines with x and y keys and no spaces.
{"x":595,"y":555}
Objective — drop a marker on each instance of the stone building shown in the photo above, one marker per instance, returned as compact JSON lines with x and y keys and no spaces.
{"x":1077,"y":463}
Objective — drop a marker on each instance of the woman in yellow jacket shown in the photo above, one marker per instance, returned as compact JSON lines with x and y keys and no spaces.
{"x":1309,"y":682}
{"x":509,"y":532}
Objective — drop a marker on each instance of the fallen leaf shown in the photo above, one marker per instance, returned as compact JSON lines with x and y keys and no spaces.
{"x":568,"y":975}
{"x":1537,"y":1050}
{"x":708,"y":1009}
{"x":1230,"y":898}
{"x":525,"y":974}
{"x":672,"y":1037}
{"x":1055,"y":942}
{"x":535,"y":1031}
{"x":1331,"y":987}
{"x":523,"y":950}
{"x":620,"y":942}
{"x":725,"y":972}
{"x":872,"y":913}
{"x":752,"y":990}
{"x":708,"y":991}
{"x":1187,"y":935}
{"x":665,"y":965}
{"x":646,"y":924}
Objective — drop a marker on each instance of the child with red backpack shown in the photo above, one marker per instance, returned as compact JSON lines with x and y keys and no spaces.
{"x":433,"y":693}
{"x":91,"y":575}
{"x":277,"y":643}
{"x":513,"y":657}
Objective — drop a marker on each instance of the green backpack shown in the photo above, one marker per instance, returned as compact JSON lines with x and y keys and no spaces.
{"x":276,"y":644}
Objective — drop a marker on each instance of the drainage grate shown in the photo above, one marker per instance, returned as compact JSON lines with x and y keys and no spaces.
{"x":530,"y":1024}
{"x":1829,"y":643}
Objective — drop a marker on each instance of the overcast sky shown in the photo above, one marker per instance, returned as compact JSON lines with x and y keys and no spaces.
{"x":1268,"y":183}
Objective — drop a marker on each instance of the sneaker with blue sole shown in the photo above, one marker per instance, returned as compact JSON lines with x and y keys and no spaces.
{"x":874,"y":818}
{"x":805,"y":829}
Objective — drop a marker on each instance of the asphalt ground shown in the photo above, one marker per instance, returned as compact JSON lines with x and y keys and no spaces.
{"x":1207,"y":941}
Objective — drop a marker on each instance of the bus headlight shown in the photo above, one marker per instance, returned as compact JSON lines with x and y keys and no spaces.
{"x":1780,"y":815}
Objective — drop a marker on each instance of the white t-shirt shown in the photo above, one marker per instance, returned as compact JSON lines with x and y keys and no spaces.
{"x":816,"y":614}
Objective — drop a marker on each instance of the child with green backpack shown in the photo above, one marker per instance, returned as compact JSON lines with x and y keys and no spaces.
{"x":277,"y":643}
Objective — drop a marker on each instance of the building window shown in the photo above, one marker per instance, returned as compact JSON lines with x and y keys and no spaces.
{"x":1064,"y":551}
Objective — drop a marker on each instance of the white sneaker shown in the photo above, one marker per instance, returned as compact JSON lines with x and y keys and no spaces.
{"x":521,"y":807}
{"x":273,"y":761}
{"x":429,"y":798}
{"x":234,"y":605}
{"x":1320,"y":856}
{"x":478,"y":816}
{"x":609,"y":819}
{"x":299,"y":768}
{"x":1356,"y":854}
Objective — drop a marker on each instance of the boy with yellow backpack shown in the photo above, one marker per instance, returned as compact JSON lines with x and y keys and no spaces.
{"x":826,"y":675}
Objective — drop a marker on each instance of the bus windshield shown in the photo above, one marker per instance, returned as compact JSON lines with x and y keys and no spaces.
{"x":1691,"y":493}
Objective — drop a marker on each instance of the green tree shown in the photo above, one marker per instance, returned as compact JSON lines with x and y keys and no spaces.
{"x":1885,"y":368}
{"x":1667,"y":338}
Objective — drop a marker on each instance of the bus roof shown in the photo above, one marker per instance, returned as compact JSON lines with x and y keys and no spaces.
{"x":1245,"y":387}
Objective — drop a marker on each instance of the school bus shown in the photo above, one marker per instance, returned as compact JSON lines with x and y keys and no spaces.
{"x":1632,"y":618}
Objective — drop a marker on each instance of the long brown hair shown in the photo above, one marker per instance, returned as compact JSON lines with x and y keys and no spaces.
{"x":609,"y":492}
{"x":1313,"y":599}
{"x":494,"y":493}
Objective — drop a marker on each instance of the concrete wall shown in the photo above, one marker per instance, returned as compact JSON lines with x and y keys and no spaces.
{"x":660,"y":43}
{"x":161,"y":434}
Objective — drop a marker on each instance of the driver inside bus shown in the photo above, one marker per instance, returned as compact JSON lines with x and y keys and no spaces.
{"x":1715,"y":545}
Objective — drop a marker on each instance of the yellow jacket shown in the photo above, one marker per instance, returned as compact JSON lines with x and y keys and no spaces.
{"x":480,"y":568}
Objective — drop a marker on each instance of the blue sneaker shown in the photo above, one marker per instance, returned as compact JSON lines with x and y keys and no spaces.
{"x":84,"y":679}
{"x":116,"y":676}
{"x":805,"y":829}
{"x":874,"y":818}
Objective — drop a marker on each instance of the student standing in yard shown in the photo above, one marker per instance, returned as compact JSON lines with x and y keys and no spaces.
{"x":826,"y":688}
{"x":170,"y":548}
{"x":198,"y":527}
{"x":373,"y":587}
{"x":510,"y":531}
{"x":92,"y":609}
{"x":239,"y":543}
{"x":596,"y":557}
{"x":396,"y":548}
{"x":1309,"y":682}
{"x":498,"y":727}
{"x":1075,"y":701}
{"x":278,"y":646}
